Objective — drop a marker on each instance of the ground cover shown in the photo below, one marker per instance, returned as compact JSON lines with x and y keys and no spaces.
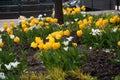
{"x":85,"y":47}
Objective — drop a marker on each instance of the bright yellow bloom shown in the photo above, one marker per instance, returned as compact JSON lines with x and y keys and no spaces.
{"x":85,"y":21}
{"x":1,"y":44}
{"x":73,"y":12}
{"x":48,"y":19}
{"x":40,"y":46}
{"x":58,"y":36}
{"x":36,"y":21}
{"x":80,"y":22}
{"x":56,"y":45}
{"x":74,"y":44}
{"x":38,"y":40}
{"x":32,"y":24}
{"x":90,"y":18}
{"x":32,"y":17}
{"x":12,"y":24}
{"x":10,"y":31}
{"x":67,"y":33}
{"x":112,"y":20}
{"x":41,"y":23}
{"x":26,"y":29}
{"x":24,"y":26}
{"x":83,"y":8}
{"x":46,"y":24}
{"x":46,"y":46}
{"x":118,"y":43}
{"x":16,"y":39}
{"x":5,"y":25}
{"x":33,"y":45}
{"x":79,"y":33}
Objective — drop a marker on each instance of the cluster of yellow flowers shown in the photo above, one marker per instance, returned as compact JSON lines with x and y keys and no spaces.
{"x":115,"y":19}
{"x":85,"y":22}
{"x":38,"y":43}
{"x":9,"y":28}
{"x":51,"y":20}
{"x":101,"y":22}
{"x":74,"y":10}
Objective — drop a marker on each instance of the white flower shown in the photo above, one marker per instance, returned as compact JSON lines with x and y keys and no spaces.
{"x":1,"y":29}
{"x":114,"y":29}
{"x":95,"y":32}
{"x":44,"y":14}
{"x":0,"y":39}
{"x":67,"y":23}
{"x":0,"y":49}
{"x":66,"y":43}
{"x":14,"y":64}
{"x":69,"y":38}
{"x":2,"y":75}
{"x":12,"y":36}
{"x":76,"y":19}
{"x":8,"y":66}
{"x":90,"y":48}
{"x":40,"y":16}
{"x":66,"y":48}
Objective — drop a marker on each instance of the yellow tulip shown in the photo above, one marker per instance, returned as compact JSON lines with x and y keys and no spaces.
{"x":26,"y":29}
{"x":74,"y":44}
{"x":16,"y":39}
{"x":79,"y":33}
{"x":67,"y":33}
{"x":41,"y":23}
{"x":40,"y":46}
{"x":56,"y":45}
{"x":1,"y":44}
{"x":118,"y":43}
{"x":33,"y":45}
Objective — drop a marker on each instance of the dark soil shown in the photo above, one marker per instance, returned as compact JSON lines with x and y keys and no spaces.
{"x":97,"y":64}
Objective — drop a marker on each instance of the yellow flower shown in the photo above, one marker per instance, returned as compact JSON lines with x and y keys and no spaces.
{"x":5,"y":26}
{"x":38,"y":40}
{"x":32,"y":17}
{"x":10,"y":31}
{"x":79,"y":33}
{"x":1,"y":44}
{"x":74,"y":44}
{"x":46,"y":46}
{"x":32,"y":24}
{"x":83,"y":8}
{"x":56,"y":45}
{"x":33,"y":45}
{"x":46,"y":24}
{"x":67,"y":33}
{"x":40,"y":46}
{"x":112,"y":20}
{"x":118,"y":43}
{"x":73,"y":12}
{"x":41,"y":23}
{"x":36,"y":21}
{"x":48,"y":19}
{"x":26,"y":29}
{"x":58,"y":36}
{"x":12,"y":24}
{"x":16,"y":39}
{"x":24,"y":26}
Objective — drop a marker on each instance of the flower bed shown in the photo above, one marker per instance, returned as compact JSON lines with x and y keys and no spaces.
{"x":85,"y":47}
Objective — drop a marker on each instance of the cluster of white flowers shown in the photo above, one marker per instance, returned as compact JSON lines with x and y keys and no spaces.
{"x":66,"y":43}
{"x":95,"y":32}
{"x":12,"y":65}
